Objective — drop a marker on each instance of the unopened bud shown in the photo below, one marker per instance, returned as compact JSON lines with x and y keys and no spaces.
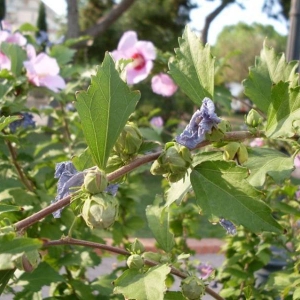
{"x":193,"y":288}
{"x":95,"y":181}
{"x":100,"y":210}
{"x":242,"y":154}
{"x":135,"y":261}
{"x":136,"y":247}
{"x":230,"y":150}
{"x":253,"y":118}
{"x":28,"y":261}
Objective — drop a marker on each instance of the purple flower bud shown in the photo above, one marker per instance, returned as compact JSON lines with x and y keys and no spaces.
{"x":26,"y":122}
{"x":202,"y":122}
{"x":205,"y":270}
{"x":228,"y":226}
{"x":68,"y":177}
{"x":157,"y":121}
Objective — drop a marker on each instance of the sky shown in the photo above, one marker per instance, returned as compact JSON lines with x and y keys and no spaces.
{"x":229,"y":16}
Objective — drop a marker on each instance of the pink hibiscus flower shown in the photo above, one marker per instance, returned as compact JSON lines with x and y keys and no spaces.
{"x":43,"y":70}
{"x":157,"y":122}
{"x":12,"y":38}
{"x":163,"y":84}
{"x":143,"y":53}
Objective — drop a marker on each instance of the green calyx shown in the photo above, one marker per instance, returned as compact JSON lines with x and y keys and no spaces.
{"x":100,"y":211}
{"x":235,"y":150}
{"x":173,"y":163}
{"x":135,"y":261}
{"x":136,"y":247}
{"x":129,"y":141}
{"x":193,"y":288}
{"x":253,"y":118}
{"x":95,"y":181}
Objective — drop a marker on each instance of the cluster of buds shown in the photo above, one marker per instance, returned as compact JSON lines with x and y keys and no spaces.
{"x":193,"y":287}
{"x":235,"y":150}
{"x":173,"y":163}
{"x":100,"y":210}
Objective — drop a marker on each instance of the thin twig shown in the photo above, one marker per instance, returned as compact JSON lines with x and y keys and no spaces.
{"x":71,"y":241}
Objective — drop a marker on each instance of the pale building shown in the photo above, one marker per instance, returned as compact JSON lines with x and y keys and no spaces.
{"x":19,"y":12}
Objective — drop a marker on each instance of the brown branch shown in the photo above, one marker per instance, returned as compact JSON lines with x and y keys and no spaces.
{"x":71,"y":241}
{"x":106,"y":21}
{"x":211,"y":17}
{"x":23,"y":224}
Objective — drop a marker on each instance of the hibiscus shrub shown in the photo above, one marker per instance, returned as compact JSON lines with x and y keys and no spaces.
{"x":76,"y":170}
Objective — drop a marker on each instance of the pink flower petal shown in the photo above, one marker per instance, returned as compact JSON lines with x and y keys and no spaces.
{"x":297,"y":161}
{"x":5,"y":62}
{"x":43,"y":64}
{"x":16,"y":38}
{"x":31,"y":54}
{"x":135,"y":76}
{"x":147,"y":49}
{"x":163,"y":84}
{"x":128,"y":39}
{"x":54,"y":83}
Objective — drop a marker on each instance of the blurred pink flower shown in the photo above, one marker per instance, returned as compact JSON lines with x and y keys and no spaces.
{"x":157,"y":121}
{"x":30,"y":50}
{"x":297,"y":161}
{"x":4,"y":62}
{"x":143,"y":53}
{"x":43,"y":70}
{"x":257,"y":142}
{"x":205,"y":270}
{"x":163,"y":84}
{"x":298,"y":195}
{"x":12,"y":38}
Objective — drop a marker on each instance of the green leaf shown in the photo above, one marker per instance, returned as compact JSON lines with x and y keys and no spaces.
{"x":170,"y":295}
{"x":5,"y":121}
{"x":6,"y":208}
{"x":193,"y":67}
{"x":16,"y":55}
{"x":62,"y":54}
{"x":258,"y":85}
{"x":283,"y":111}
{"x":263,"y":162}
{"x":83,"y":161}
{"x":18,"y":245}
{"x":41,"y":276}
{"x":222,"y":192}
{"x":143,"y":286}
{"x":27,"y":27}
{"x":5,"y":276}
{"x":158,"y":222}
{"x":104,"y":110}
{"x":178,"y":190}
{"x":278,"y":68}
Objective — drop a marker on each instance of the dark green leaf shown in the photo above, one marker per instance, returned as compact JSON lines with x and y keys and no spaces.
{"x":18,"y":245}
{"x":104,"y":110}
{"x":83,"y":161}
{"x":222,"y":192}
{"x":5,"y":121}
{"x":174,"y":296}
{"x":6,"y":208}
{"x":263,"y":162}
{"x":5,"y":275}
{"x":143,"y":286}
{"x":283,"y":111}
{"x":158,"y":222}
{"x":62,"y":54}
{"x":193,"y":67}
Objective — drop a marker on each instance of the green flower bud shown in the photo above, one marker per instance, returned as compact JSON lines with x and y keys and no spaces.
{"x":100,"y":210}
{"x":230,"y":151}
{"x":253,"y":118}
{"x":154,"y":256}
{"x":242,"y":154}
{"x":28,"y":261}
{"x":136,"y":247}
{"x":193,"y":288}
{"x":95,"y":181}
{"x":129,"y":142}
{"x":135,"y":261}
{"x":173,"y":163}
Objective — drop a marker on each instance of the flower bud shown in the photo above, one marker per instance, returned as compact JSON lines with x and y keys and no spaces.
{"x":129,"y":142}
{"x":28,"y":261}
{"x":136,"y":247}
{"x":95,"y":181}
{"x":253,"y":119}
{"x":154,"y":256}
{"x":173,"y":163}
{"x":193,"y":288}
{"x":242,"y":154}
{"x":100,"y":211}
{"x":135,"y":261}
{"x":230,"y":151}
